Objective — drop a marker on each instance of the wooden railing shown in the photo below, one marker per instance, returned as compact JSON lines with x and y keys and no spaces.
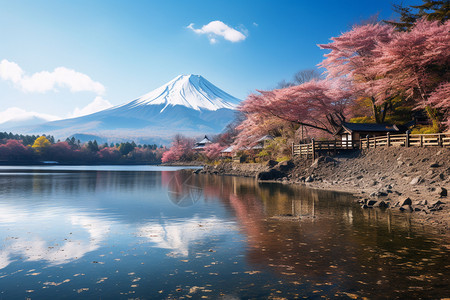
{"x":397,"y":140}
{"x":310,"y":150}
{"x":407,"y":140}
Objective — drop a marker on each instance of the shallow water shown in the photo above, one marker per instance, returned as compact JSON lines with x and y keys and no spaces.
{"x":152,"y":232}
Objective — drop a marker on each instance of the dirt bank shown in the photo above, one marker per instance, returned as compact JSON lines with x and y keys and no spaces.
{"x":413,"y":180}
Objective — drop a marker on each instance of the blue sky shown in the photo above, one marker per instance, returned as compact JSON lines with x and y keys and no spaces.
{"x":115,"y":51}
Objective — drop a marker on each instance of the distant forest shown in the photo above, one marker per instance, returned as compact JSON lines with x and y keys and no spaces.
{"x":25,"y":149}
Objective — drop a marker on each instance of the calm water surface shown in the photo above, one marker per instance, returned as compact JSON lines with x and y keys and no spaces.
{"x":154,"y":233}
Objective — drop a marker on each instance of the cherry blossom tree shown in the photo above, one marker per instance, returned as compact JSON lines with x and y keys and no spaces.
{"x":353,"y":55}
{"x":14,"y":150}
{"x":169,"y":156}
{"x":440,"y":99}
{"x":317,"y":104}
{"x":109,"y":154}
{"x":416,"y":62}
{"x":212,"y":151}
{"x":181,"y":149}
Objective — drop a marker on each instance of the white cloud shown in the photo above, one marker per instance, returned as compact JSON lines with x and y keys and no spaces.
{"x":181,"y":235}
{"x":18,"y":114}
{"x":10,"y":71}
{"x":97,"y":105}
{"x":89,"y":232}
{"x":217,"y":28}
{"x":45,"y":81}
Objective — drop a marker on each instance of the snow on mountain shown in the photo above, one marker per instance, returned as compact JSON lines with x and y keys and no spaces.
{"x":188,"y":104}
{"x":192,"y":91}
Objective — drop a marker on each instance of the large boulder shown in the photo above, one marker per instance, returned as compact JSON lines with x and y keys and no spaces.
{"x":285,"y":166}
{"x":270,"y":175}
{"x":322,"y":159}
{"x":381,"y":204}
{"x":271,"y":163}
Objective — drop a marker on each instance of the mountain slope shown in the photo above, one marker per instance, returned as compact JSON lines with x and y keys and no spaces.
{"x":189,"y":104}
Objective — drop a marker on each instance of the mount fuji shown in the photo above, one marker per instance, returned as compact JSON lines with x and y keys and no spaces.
{"x":188,"y":104}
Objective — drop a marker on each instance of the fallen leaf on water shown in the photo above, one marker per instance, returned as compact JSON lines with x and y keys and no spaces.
{"x":252,"y":272}
{"x":102,"y":279}
{"x":350,"y":295}
{"x":56,"y":283}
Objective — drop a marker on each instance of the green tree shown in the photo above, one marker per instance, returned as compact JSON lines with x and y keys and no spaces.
{"x":92,"y":146}
{"x":431,"y":10}
{"x":125,"y":148}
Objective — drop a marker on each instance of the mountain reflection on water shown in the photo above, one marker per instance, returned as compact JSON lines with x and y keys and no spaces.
{"x":82,"y":233}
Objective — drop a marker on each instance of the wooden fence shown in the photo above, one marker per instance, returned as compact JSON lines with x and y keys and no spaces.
{"x":397,"y":140}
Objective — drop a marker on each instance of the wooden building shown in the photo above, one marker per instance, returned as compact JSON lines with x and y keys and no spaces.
{"x":227,"y":152}
{"x":351,"y":134}
{"x":262,"y":142}
{"x":200,"y":146}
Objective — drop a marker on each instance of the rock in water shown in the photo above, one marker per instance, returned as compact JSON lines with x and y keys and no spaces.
{"x":270,"y":175}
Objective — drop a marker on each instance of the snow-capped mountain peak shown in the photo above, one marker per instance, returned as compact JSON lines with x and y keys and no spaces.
{"x":189,"y":105}
{"x":192,"y":91}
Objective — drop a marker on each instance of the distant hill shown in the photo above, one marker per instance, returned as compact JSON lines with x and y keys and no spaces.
{"x":22,"y":122}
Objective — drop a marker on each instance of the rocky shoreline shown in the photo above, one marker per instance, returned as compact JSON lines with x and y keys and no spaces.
{"x":412,"y":180}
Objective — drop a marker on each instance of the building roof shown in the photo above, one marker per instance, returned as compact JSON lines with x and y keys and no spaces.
{"x":265,"y":138}
{"x":366,"y":127}
{"x":227,"y":150}
{"x":204,"y":141}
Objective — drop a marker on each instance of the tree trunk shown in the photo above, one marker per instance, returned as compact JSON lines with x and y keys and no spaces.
{"x":433,"y":115}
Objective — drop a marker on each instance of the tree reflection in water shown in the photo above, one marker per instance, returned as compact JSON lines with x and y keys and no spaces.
{"x":332,"y":245}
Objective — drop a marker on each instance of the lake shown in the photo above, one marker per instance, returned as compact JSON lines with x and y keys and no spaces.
{"x":146,"y":232}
